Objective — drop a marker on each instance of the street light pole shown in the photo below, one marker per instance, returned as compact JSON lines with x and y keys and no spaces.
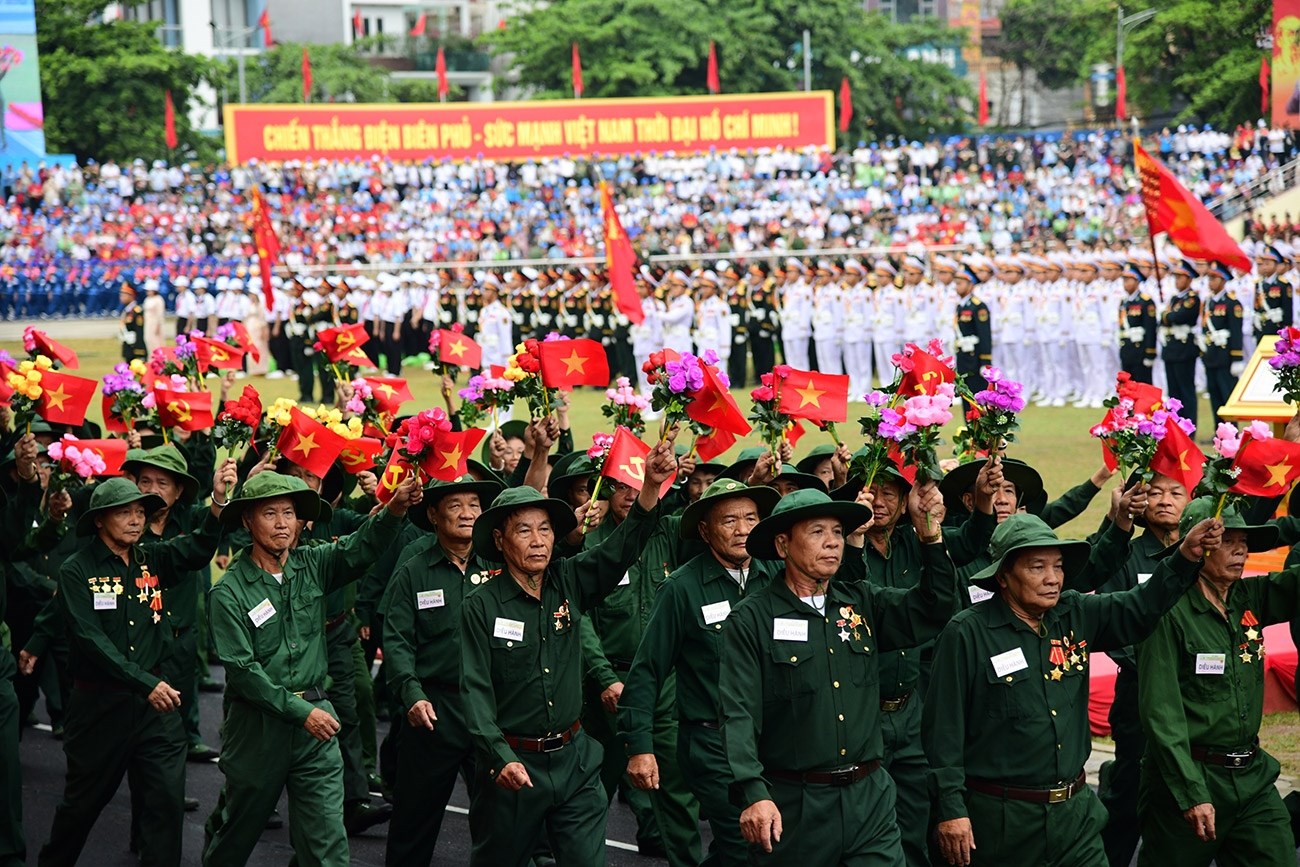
{"x":1123,"y":24}
{"x":230,"y":35}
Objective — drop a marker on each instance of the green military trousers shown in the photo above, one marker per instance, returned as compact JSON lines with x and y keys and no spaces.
{"x":565,"y":802}
{"x":846,"y":826}
{"x":339,"y":645}
{"x":703,"y":764}
{"x":182,"y":672}
{"x":260,"y":756}
{"x":906,"y":763}
{"x":429,"y":761}
{"x":1067,"y":834}
{"x":13,"y":845}
{"x":1121,"y":778}
{"x":1251,"y":825}
{"x":367,"y":714}
{"x":108,"y":735}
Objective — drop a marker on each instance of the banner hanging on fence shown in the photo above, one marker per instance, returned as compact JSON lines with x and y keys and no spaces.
{"x":517,"y":131}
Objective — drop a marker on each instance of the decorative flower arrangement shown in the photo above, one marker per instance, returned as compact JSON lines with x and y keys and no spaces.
{"x":482,"y":397}
{"x":672,"y":380}
{"x":916,"y":425}
{"x":414,"y":438}
{"x":868,"y":460}
{"x":178,"y":361}
{"x":238,"y":420}
{"x":625,"y":406}
{"x":1220,"y":470}
{"x":25,"y":380}
{"x":993,"y":417}
{"x":772,"y":424}
{"x":75,"y":464}
{"x":1287,"y":363}
{"x":599,"y":451}
{"x":1132,"y":435}
{"x":332,"y":418}
{"x":125,"y":385}
{"x":524,"y":369}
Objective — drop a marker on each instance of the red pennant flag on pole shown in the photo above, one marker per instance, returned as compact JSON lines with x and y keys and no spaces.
{"x":626,"y":460}
{"x":620,"y":260}
{"x":455,"y":348}
{"x":1172,"y":209}
{"x":1272,"y":466}
{"x":713,"y":444}
{"x":566,"y":363}
{"x":169,"y":121}
{"x":264,"y":21}
{"x":306,"y":75}
{"x":1178,"y":457}
{"x":713,"y":405}
{"x":358,"y":25}
{"x":420,"y":24}
{"x":65,"y":398}
{"x":711,"y":77}
{"x":984,"y":99}
{"x":440,"y":67}
{"x":815,"y":396}
{"x":187,"y":410}
{"x":577,"y":73}
{"x":309,"y":444}
{"x":268,"y":245}
{"x":1121,"y":95}
{"x":1265,"y":79}
{"x":846,"y":104}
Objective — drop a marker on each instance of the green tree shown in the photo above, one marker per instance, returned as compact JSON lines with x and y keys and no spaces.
{"x":649,"y":48}
{"x":339,"y":72}
{"x":102,"y":85}
{"x":1046,"y":36}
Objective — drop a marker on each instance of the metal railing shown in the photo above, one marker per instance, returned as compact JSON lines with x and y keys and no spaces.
{"x":1272,"y":183}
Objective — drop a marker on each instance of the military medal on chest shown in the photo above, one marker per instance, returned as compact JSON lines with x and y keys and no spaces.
{"x":562,"y":618}
{"x":850,"y":622}
{"x":150,"y":592}
{"x":1067,"y":655}
{"x":1252,"y":649}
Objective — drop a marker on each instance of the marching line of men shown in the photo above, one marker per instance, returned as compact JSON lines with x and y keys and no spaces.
{"x":823,"y":672}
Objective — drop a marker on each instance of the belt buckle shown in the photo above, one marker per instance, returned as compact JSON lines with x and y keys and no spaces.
{"x":551,"y":744}
{"x":1237,"y":760}
{"x":301,"y":694}
{"x":842,"y":776}
{"x":1057,"y":796}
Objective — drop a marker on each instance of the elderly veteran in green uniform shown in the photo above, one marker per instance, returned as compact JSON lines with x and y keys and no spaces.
{"x":1005,"y":725}
{"x":267,"y":617}
{"x":422,"y":662}
{"x":676,"y":665}
{"x":800,"y":683}
{"x":521,"y":674}
{"x":1207,"y":789}
{"x":121,"y":718}
{"x":667,"y":818}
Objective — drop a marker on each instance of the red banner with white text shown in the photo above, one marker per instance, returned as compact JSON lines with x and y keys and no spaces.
{"x":518,"y":131}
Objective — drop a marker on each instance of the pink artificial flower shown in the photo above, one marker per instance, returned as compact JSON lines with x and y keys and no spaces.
{"x":1260,"y":430}
{"x":1227,"y":440}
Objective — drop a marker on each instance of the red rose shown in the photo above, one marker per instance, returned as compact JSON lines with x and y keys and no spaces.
{"x":657,"y":359}
{"x":782,"y":370}
{"x":763,"y":393}
{"x":531,"y":346}
{"x":528,"y":364}
{"x":974,"y":414}
{"x":766,"y":379}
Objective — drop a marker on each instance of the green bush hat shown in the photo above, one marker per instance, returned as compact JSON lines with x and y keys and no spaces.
{"x":1020,"y":532}
{"x":808,"y":463}
{"x":848,"y":492}
{"x":1029,"y":484}
{"x":1259,"y":537}
{"x":508,"y":502}
{"x":110,"y":494}
{"x":480,"y":471}
{"x":513,"y":428}
{"x":167,"y":458}
{"x":804,"y":481}
{"x":571,"y":468}
{"x":268,"y":486}
{"x":744,"y":464}
{"x":437,"y":489}
{"x":802,"y":506}
{"x":764,"y":498}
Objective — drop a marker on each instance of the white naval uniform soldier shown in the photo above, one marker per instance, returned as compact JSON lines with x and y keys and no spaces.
{"x":858,"y":325}
{"x":796,"y":315}
{"x":889,"y":310}
{"x":712,"y":319}
{"x":828,"y":319}
{"x":186,"y":305}
{"x":495,"y":325}
{"x":680,"y":315}
{"x":647,"y":336}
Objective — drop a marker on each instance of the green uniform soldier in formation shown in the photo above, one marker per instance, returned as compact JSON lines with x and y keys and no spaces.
{"x":122,"y":714}
{"x":1017,"y":664}
{"x":1178,"y":327}
{"x":422,"y":607}
{"x":1137,"y":328}
{"x":1207,"y":788}
{"x":1223,"y":339}
{"x":132,"y":333}
{"x":521,"y":674}
{"x":267,"y":617}
{"x":800,"y":683}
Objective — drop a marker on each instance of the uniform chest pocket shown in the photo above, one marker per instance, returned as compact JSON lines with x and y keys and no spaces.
{"x":862,"y":662}
{"x":1014,"y":695}
{"x":791,"y":670}
{"x":435,"y":621}
{"x":513,"y":659}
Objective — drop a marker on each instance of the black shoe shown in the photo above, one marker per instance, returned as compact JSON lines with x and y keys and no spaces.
{"x":214,"y":686}
{"x":57,"y":732}
{"x":274,"y":821}
{"x":191,"y":804}
{"x":651,"y":849}
{"x":202,"y":753}
{"x":364,"y":815}
{"x":376,"y":786}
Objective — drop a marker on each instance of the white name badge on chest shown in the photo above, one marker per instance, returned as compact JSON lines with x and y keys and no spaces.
{"x":106,"y":601}
{"x":789,"y":629}
{"x":716,"y":612}
{"x":1211,"y":663}
{"x":510,"y":629}
{"x":430,"y":599}
{"x":978,"y":594}
{"x":627,"y":579}
{"x":1144,"y":577}
{"x":262,"y":612}
{"x":1009,"y":662}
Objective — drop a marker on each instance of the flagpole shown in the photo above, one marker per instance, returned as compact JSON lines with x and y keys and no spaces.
{"x":1151,"y":235}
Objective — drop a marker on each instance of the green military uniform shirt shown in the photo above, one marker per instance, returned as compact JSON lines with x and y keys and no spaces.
{"x":1201,"y":678}
{"x":521,"y":661}
{"x":269,"y":634}
{"x":1137,"y":569}
{"x":801,"y":691}
{"x":118,"y":636}
{"x":994,"y":676}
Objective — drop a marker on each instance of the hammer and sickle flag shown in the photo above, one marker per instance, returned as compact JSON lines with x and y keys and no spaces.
{"x":359,"y":455}
{"x":396,"y":472}
{"x":217,"y":355}
{"x":187,"y":410}
{"x":343,"y":345}
{"x":626,"y":461}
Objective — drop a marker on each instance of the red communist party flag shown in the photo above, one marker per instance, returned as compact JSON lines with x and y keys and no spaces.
{"x":456,"y":348}
{"x":926,"y":375}
{"x":217,"y":354}
{"x":620,"y":260}
{"x":1172,"y":209}
{"x":343,"y":344}
{"x":396,"y":472}
{"x":360,"y":454}
{"x":626,"y":461}
{"x":566,"y":363}
{"x":245,"y":340}
{"x":1267,"y":467}
{"x":1178,"y":457}
{"x":815,"y":396}
{"x":64,"y":397}
{"x":309,"y":444}
{"x":187,"y":410}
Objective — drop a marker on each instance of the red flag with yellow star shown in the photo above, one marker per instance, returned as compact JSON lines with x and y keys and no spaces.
{"x":566,"y":363}
{"x":343,"y":344}
{"x":713,"y":405}
{"x":268,"y":245}
{"x":626,"y":459}
{"x":112,"y":451}
{"x":446,"y":460}
{"x":64,"y":397}
{"x":47,"y":345}
{"x":1171,"y":208}
{"x":187,"y":410}
{"x":1178,"y":457}
{"x":396,"y":472}
{"x":217,"y":354}
{"x":309,"y":444}
{"x":620,"y":260}
{"x":713,"y":444}
{"x":456,"y":348}
{"x":390,"y":392}
{"x":1266,"y":467}
{"x":359,"y":455}
{"x":814,"y":396}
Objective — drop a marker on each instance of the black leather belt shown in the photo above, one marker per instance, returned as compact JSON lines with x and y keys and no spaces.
{"x":894,"y":705}
{"x":837,"y":777}
{"x":704,"y":724}
{"x":1053,"y":795}
{"x":1235,"y":760}
{"x":548,"y":744}
{"x":313,"y":694}
{"x":337,"y":621}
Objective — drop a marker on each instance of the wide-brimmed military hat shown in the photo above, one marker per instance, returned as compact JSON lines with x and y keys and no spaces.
{"x":809,"y":462}
{"x":480,"y":471}
{"x":764,"y":498}
{"x":1259,"y":537}
{"x":744,"y":464}
{"x":112,"y":493}
{"x":437,"y":489}
{"x":508,"y":502}
{"x":167,"y":458}
{"x":804,"y":481}
{"x":1020,"y":532}
{"x":567,"y":469}
{"x":802,"y":506}
{"x":509,"y":429}
{"x":268,"y":486}
{"x":1029,"y":484}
